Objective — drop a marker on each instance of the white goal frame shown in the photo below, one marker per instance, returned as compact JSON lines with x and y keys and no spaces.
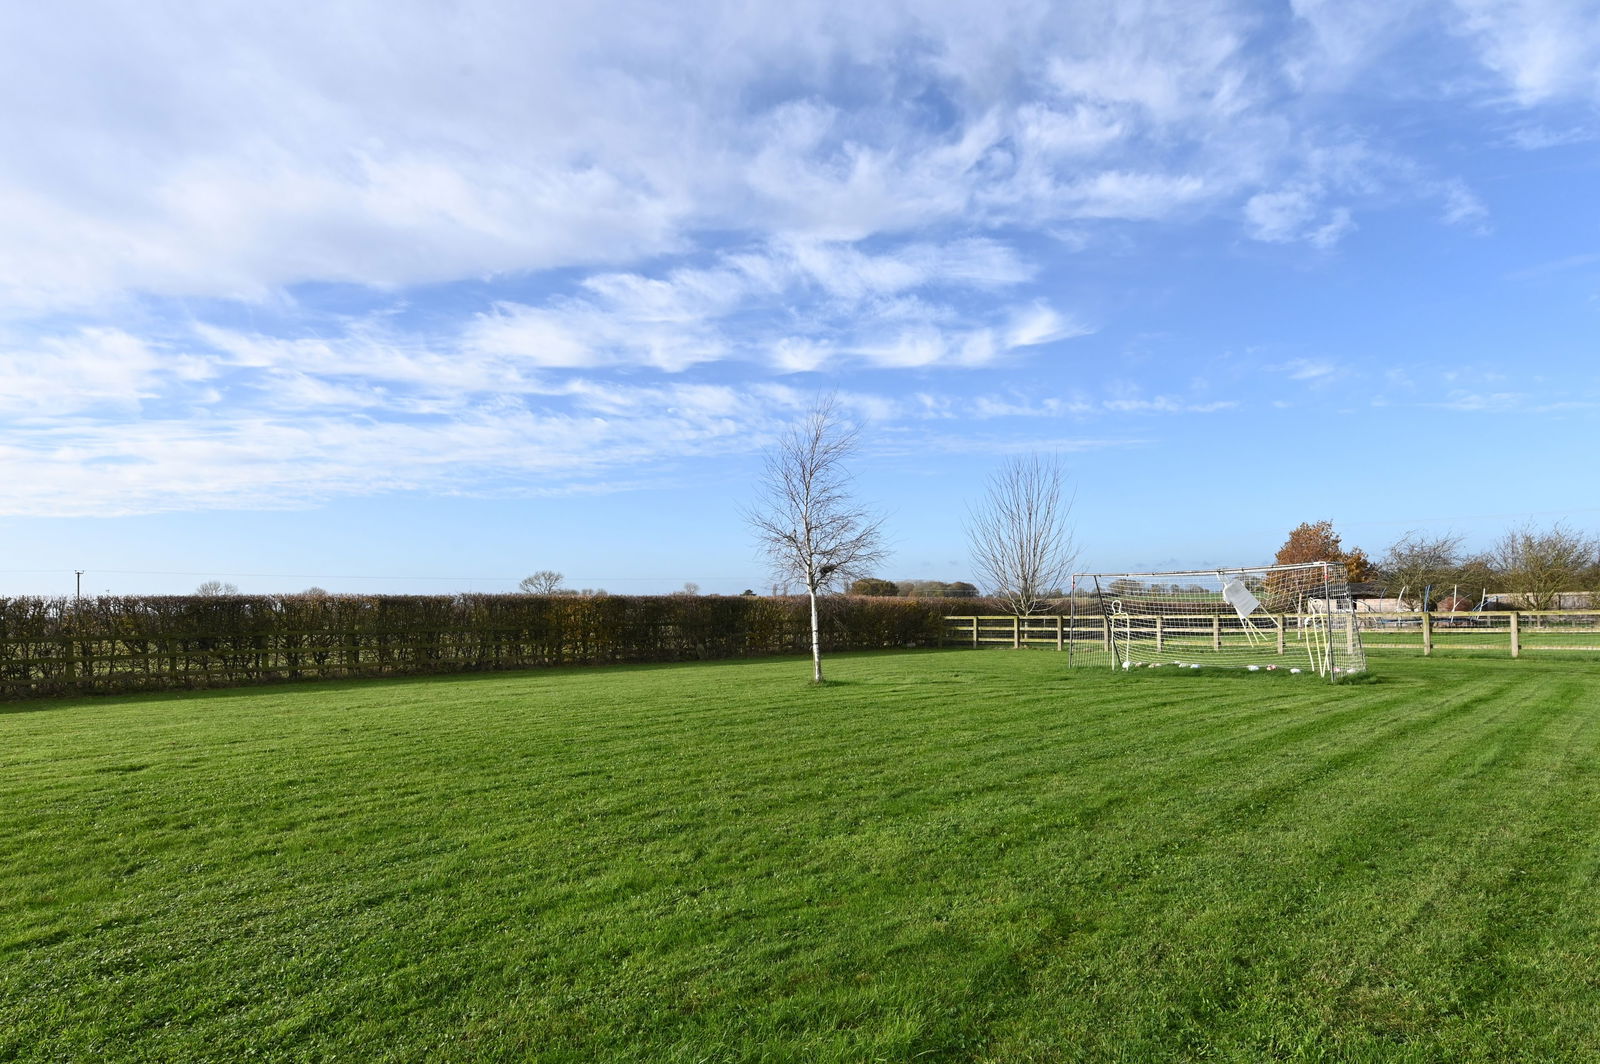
{"x":1299,"y":618}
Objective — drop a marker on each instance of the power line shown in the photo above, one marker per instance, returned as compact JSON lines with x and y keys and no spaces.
{"x":1475,"y":517}
{"x":355,"y":576}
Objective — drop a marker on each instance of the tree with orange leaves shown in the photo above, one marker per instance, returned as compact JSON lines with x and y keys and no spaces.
{"x":1318,"y":542}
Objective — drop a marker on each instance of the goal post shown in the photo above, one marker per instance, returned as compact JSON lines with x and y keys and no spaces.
{"x":1266,"y":617}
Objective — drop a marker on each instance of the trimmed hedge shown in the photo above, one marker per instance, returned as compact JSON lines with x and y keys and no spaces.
{"x":54,"y":646}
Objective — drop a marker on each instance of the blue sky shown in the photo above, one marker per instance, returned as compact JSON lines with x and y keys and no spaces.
{"x":422,"y":297}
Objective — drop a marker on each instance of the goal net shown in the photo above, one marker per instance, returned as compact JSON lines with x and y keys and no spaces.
{"x":1295,"y":617}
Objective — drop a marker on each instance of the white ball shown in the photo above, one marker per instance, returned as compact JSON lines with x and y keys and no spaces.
{"x":1194,"y":666}
{"x":1295,"y":671}
{"x":1254,"y":668}
{"x":1127,"y":664}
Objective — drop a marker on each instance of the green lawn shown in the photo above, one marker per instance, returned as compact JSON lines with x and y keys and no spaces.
{"x":941,"y":856}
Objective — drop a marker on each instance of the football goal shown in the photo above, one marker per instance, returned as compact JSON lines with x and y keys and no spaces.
{"x":1295,"y":617}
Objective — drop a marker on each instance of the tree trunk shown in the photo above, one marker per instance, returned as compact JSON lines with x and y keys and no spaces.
{"x":816,"y":640}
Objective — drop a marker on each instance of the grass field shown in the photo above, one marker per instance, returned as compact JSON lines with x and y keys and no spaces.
{"x":941,"y":856}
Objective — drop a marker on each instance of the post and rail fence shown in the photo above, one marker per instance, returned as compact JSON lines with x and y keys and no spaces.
{"x":1399,"y":631}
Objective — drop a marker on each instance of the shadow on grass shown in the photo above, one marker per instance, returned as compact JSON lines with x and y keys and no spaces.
{"x":373,"y":683}
{"x":1213,"y":674}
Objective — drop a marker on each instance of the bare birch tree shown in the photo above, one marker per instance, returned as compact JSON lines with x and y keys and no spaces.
{"x":808,"y":524}
{"x":1021,"y":538}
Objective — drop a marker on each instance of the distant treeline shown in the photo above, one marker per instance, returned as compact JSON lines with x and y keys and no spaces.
{"x":59,"y":646}
{"x":1527,"y":567}
{"x":877,"y":586}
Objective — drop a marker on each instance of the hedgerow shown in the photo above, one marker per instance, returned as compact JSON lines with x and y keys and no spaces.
{"x":58,"y":646}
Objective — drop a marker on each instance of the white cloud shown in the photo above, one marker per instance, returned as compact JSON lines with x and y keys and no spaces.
{"x":1538,"y":136}
{"x":1333,"y":230}
{"x":237,"y":155}
{"x":1283,"y":215}
{"x":1306,"y":369}
{"x":1543,"y":50}
{"x":889,"y":308}
{"x":1340,"y":40}
{"x":627,"y":207}
{"x":92,"y":369}
{"x":1040,"y":324}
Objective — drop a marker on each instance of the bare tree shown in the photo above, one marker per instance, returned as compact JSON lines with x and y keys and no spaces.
{"x":543,"y":582}
{"x":1021,"y":538}
{"x":1538,"y":566}
{"x":215,"y":588}
{"x":1417,"y":561}
{"x":806,"y":521}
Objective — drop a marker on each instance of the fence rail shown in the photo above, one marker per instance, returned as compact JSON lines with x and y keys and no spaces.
{"x":1403,"y":631}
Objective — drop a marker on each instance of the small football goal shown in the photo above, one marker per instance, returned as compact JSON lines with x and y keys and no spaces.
{"x":1295,"y":617}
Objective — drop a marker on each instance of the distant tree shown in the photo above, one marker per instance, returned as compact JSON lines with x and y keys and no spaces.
{"x":1020,"y":535}
{"x":689,"y":588}
{"x":543,"y":582}
{"x":314,"y":592}
{"x":1358,"y":567}
{"x":937,"y":589}
{"x":1538,"y":565}
{"x":806,"y":521}
{"x":748,"y":593}
{"x":214,"y":588}
{"x":1318,"y":542}
{"x":1418,"y":562}
{"x":1474,"y":577}
{"x":873,"y":585}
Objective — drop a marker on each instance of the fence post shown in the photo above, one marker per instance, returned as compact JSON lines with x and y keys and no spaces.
{"x":974,"y":633}
{"x":1160,"y":633}
{"x":1427,"y":634}
{"x":1058,"y":631}
{"x":1216,"y":631}
{"x":1016,"y":632}
{"x":1105,"y":634}
{"x":1283,"y":623}
{"x":1516,"y":637}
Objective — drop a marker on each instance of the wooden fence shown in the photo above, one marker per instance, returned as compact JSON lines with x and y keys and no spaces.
{"x":1514,"y":632}
{"x":1414,"y":631}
